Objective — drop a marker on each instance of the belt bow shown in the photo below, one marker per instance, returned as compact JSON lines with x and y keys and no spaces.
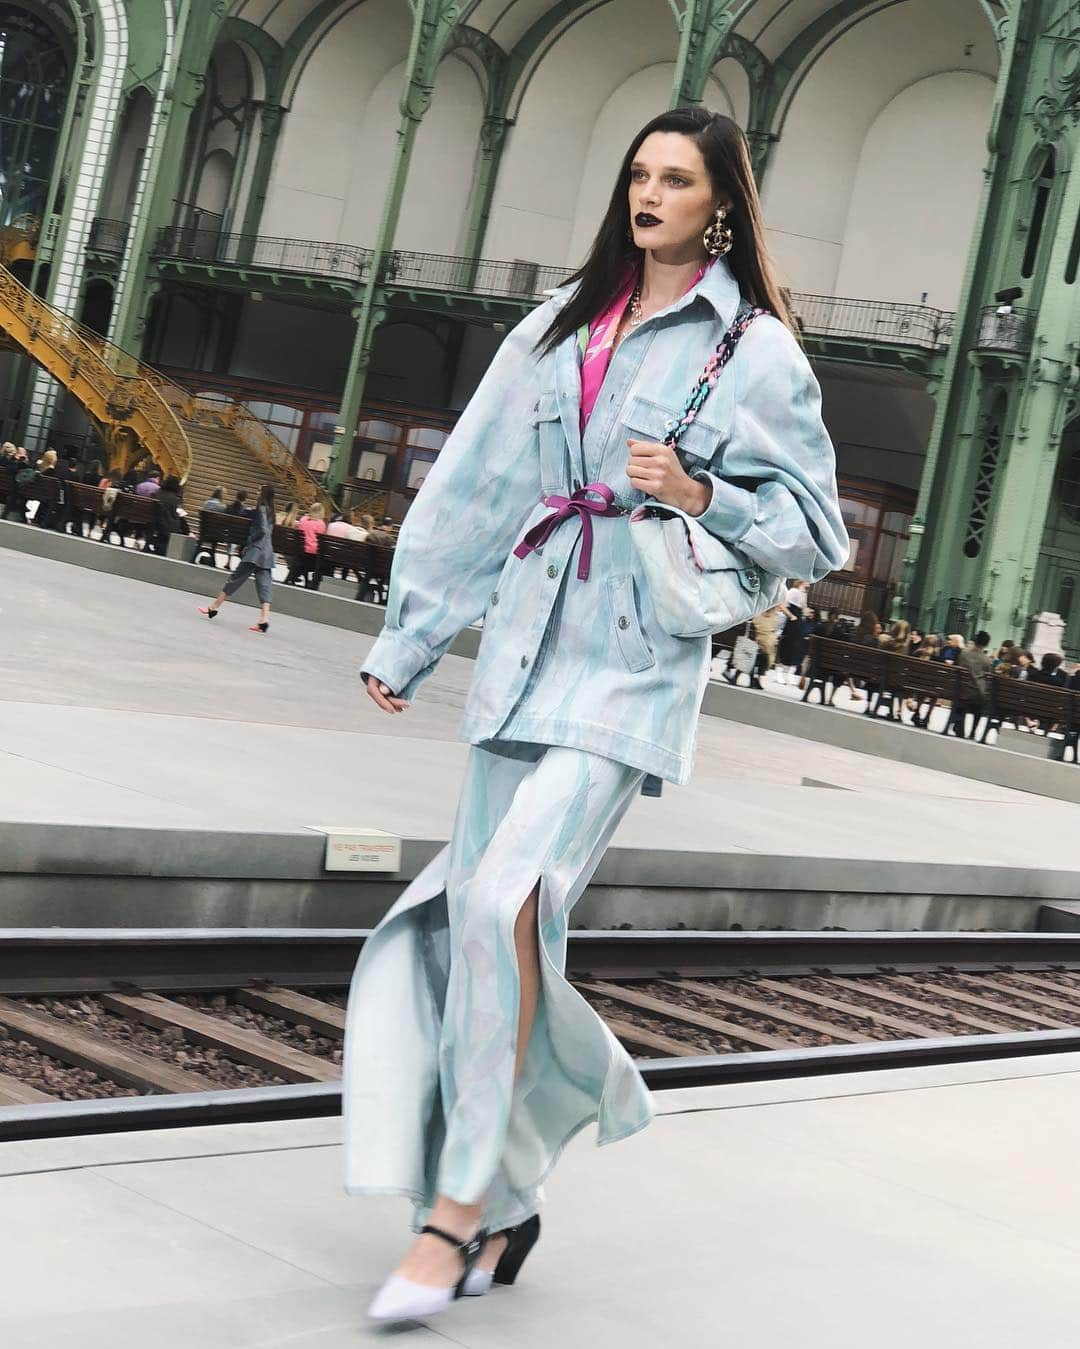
{"x":580,"y":504}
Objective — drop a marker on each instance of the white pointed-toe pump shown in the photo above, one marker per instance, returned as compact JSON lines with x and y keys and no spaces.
{"x":402,"y":1300}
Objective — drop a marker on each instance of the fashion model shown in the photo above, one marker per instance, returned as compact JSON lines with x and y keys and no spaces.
{"x":470,"y":1062}
{"x":256,"y":561}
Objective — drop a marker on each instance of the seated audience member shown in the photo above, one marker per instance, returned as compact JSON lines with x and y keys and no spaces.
{"x":287,"y":518}
{"x":868,"y":630}
{"x":351,"y":528}
{"x":954,"y":646}
{"x":1049,"y":671}
{"x":1004,"y":655}
{"x":898,"y":638}
{"x":150,"y":485}
{"x":215,"y":501}
{"x":311,"y":524}
{"x":239,"y":505}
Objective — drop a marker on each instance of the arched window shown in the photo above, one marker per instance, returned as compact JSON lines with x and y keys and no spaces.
{"x":982,"y":494}
{"x":1068,"y":485}
{"x":34,"y":78}
{"x":1043,"y":187}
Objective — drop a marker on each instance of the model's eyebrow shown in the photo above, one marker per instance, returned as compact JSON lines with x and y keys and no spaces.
{"x":669,"y":168}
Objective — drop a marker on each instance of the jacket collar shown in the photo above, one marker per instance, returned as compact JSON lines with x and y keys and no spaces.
{"x":717,"y":288}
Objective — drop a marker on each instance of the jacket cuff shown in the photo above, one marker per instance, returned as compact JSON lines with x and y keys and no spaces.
{"x":398,"y":662}
{"x":730,"y":512}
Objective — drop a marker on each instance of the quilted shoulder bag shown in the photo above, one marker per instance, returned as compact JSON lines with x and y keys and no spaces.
{"x":698,"y":583}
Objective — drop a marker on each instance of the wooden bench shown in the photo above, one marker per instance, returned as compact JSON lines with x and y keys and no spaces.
{"x":287,"y":542}
{"x":932,"y":682}
{"x":376,"y":573}
{"x":1050,"y":704}
{"x":833,"y":662}
{"x":85,"y":505}
{"x":348,"y":554}
{"x":7,"y":481}
{"x":219,"y":527}
{"x":129,"y":512}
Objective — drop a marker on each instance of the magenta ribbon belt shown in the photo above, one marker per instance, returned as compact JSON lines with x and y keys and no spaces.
{"x":579,"y":504}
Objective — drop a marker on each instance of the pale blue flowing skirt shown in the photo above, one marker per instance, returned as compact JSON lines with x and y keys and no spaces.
{"x":430,"y":1101}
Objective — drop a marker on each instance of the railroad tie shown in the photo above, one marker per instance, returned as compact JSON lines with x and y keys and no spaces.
{"x":248,"y":1046}
{"x":688,"y":1015}
{"x":100,"y":1055}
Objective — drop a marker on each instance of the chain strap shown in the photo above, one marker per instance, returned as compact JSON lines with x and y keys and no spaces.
{"x":724,"y":351}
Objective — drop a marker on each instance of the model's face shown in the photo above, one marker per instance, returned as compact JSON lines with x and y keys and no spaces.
{"x":671,"y":197}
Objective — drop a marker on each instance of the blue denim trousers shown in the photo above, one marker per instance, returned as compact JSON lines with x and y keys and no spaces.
{"x":430,"y":1101}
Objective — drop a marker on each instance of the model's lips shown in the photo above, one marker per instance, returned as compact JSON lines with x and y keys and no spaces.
{"x":643,"y":220}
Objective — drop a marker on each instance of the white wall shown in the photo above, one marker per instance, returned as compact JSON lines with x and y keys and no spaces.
{"x":535,"y":213}
{"x":916,"y":191}
{"x":336,"y":152}
{"x":808,"y":193}
{"x":335,"y":138}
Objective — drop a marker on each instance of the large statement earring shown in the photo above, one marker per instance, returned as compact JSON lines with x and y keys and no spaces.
{"x":719,"y":237}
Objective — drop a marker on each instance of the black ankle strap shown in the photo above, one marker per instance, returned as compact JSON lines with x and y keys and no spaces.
{"x":465,"y":1249}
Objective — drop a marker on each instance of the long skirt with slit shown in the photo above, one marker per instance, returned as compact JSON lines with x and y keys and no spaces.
{"x":431,"y":1104}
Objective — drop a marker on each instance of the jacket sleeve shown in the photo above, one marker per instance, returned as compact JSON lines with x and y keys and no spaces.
{"x":466,"y":518}
{"x":774,"y":481}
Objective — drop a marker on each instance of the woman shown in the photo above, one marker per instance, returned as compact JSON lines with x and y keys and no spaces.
{"x":470,"y":1061}
{"x":306,"y":564}
{"x":351,"y":527}
{"x":793,"y":632}
{"x":256,"y":561}
{"x":170,"y":513}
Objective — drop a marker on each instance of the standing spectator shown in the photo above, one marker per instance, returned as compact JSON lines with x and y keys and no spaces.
{"x":256,"y":561}
{"x":171,"y":518}
{"x":792,"y":647}
{"x":311,"y":524}
{"x":977,"y":661}
{"x":766,"y":630}
{"x":215,"y":501}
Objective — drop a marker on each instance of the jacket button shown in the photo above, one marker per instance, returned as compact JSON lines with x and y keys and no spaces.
{"x":553,"y":571}
{"x":624,"y":622}
{"x":524,"y":662}
{"x":495,"y":598}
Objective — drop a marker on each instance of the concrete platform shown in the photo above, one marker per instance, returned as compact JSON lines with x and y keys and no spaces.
{"x":926,"y":1206}
{"x":157,"y":770}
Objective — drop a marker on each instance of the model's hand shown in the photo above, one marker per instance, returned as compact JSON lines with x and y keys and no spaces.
{"x":382,"y":697}
{"x":655,"y":470}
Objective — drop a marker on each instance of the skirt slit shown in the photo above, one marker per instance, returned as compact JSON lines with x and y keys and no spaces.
{"x":431,"y":1102}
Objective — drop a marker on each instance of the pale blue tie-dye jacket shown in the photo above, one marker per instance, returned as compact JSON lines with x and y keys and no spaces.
{"x":585,"y":663}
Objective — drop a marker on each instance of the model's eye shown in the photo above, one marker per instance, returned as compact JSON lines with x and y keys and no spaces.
{"x":637,"y":175}
{"x":676,"y":180}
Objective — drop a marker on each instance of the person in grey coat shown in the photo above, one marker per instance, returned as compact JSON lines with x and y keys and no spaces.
{"x":256,"y":561}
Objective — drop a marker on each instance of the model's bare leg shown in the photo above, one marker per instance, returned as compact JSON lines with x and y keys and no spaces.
{"x":430,"y":1260}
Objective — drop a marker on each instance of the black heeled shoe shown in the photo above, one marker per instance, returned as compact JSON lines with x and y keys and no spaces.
{"x":402,"y":1300}
{"x":519,"y":1242}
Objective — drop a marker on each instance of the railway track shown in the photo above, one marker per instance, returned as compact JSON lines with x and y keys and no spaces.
{"x":112,"y":1030}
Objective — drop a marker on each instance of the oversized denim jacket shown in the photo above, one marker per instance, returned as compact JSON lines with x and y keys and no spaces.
{"x":585,"y":663}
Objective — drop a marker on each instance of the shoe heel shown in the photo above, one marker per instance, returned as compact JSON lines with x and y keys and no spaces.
{"x":522,"y":1240}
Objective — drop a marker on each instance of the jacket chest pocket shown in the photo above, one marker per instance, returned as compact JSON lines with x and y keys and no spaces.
{"x":700,"y":441}
{"x":552,"y":439}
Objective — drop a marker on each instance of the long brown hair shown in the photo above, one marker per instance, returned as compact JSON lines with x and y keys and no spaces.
{"x":727,"y":159}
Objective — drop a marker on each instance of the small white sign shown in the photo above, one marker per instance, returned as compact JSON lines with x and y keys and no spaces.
{"x":360,"y":849}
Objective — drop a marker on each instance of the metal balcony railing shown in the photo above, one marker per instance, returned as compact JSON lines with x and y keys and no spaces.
{"x":1002,"y":328}
{"x":190,"y":243}
{"x":911,"y":325}
{"x":108,"y":236}
{"x":472,"y":276}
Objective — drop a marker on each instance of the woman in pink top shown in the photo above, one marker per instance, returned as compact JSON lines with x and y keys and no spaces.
{"x":311,"y":524}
